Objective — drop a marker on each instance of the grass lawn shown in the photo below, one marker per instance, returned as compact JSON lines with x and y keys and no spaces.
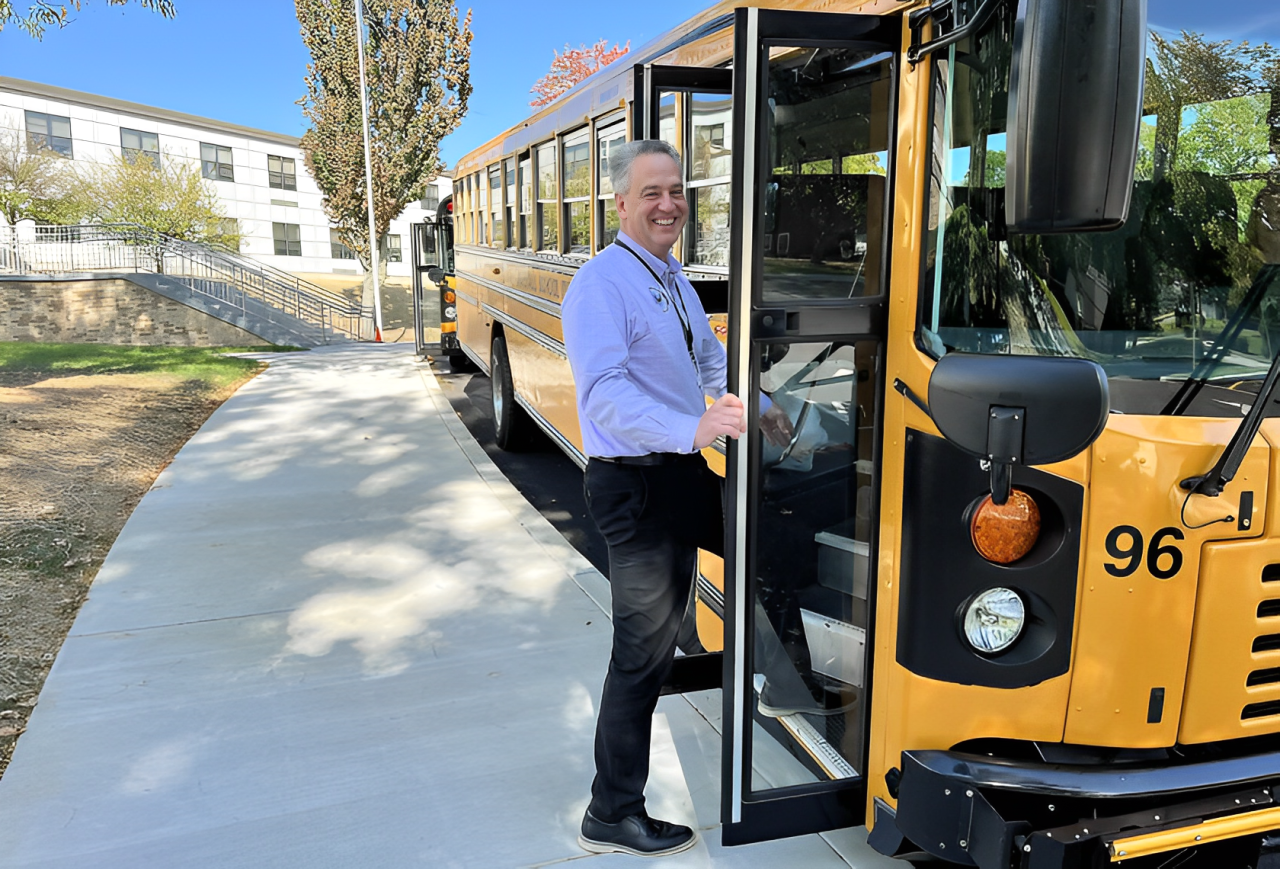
{"x":84,"y":430}
{"x":206,"y":364}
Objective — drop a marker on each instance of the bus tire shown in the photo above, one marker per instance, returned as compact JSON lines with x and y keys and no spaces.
{"x":513,"y":430}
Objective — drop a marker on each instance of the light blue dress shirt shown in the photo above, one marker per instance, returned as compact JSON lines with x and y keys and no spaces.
{"x":638,"y":389}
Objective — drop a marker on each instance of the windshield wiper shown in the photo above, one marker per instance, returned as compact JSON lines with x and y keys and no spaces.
{"x":1224,"y":471}
{"x":1223,"y":343}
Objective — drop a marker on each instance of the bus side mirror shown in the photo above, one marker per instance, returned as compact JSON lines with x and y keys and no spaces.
{"x":1018,"y":410}
{"x":435,"y":274}
{"x":1075,"y":104}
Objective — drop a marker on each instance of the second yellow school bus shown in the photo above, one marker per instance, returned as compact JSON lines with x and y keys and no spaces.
{"x":1011,"y":596}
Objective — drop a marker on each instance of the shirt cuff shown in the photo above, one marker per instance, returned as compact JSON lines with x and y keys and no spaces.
{"x":685,"y":430}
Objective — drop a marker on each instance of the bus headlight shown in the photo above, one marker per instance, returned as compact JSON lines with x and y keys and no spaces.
{"x":994,"y":620}
{"x":451,"y":313}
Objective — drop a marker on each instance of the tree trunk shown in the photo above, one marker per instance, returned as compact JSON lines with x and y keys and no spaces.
{"x":367,"y":300}
{"x":1168,"y":123}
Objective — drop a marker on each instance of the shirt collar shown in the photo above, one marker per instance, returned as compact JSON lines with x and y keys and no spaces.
{"x":662,"y":267}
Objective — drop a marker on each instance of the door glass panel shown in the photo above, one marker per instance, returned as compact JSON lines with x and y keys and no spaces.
{"x":667,"y":120}
{"x":711,"y":116}
{"x":710,"y":222}
{"x":828,"y":116}
{"x":812,"y":561}
{"x":710,"y":167}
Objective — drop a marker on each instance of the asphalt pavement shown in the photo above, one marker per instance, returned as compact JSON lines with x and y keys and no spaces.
{"x":334,"y":635}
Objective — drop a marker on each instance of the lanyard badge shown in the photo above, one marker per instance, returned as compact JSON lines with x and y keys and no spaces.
{"x":682,"y":313}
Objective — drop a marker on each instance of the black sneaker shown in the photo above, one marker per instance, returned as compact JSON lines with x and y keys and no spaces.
{"x":636,"y":834}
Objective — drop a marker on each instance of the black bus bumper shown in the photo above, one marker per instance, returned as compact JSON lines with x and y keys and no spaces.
{"x":994,"y":814}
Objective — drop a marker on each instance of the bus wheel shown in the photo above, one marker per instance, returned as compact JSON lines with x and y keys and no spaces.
{"x":514,"y":429}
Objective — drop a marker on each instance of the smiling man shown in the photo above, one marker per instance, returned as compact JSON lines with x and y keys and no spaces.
{"x":644,"y":360}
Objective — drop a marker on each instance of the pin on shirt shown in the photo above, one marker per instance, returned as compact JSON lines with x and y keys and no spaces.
{"x":661,"y":299}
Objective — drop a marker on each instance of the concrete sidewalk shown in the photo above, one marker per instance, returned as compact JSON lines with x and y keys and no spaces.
{"x":334,"y":635}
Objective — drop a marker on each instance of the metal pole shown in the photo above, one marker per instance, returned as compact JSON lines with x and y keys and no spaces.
{"x":368,"y":174}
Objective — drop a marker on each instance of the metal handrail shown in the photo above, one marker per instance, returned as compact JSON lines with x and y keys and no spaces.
{"x":221,"y":274}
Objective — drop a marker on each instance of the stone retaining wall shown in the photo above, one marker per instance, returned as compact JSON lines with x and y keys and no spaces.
{"x":107,"y":311}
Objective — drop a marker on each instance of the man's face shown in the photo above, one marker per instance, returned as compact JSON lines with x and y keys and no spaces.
{"x":654,"y":210}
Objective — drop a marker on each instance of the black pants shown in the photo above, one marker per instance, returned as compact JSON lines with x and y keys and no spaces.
{"x":654,"y":519}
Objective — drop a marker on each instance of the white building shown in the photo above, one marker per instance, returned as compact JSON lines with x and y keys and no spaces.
{"x":260,"y":177}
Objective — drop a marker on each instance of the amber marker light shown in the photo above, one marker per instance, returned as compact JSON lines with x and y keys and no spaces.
{"x":450,"y":297}
{"x":1003,"y":533}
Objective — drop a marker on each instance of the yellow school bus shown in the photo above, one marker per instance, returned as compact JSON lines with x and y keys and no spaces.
{"x":1011,"y":594}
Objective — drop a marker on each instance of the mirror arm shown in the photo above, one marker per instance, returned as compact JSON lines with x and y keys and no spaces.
{"x":912,"y":397}
{"x":1224,"y":470}
{"x":1004,"y":441}
{"x":939,"y":11}
{"x":1005,"y":426}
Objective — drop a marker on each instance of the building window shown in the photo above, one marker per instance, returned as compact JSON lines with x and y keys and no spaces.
{"x":576,"y":175}
{"x":52,"y":132}
{"x":526,"y":202}
{"x":495,"y":206}
{"x":431,"y":199}
{"x":607,"y":223}
{"x":281,"y":173}
{"x":509,"y":170}
{"x":337,"y":247}
{"x":393,"y":249}
{"x":288,"y":238}
{"x":548,"y":226}
{"x":135,"y":143}
{"x":215,"y":162}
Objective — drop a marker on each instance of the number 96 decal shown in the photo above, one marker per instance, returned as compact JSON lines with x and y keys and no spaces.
{"x":1124,"y":543}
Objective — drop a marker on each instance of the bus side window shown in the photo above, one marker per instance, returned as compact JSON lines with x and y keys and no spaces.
{"x":548,"y":230}
{"x":607,"y":224}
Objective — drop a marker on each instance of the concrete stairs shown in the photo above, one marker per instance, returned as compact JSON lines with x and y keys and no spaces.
{"x":232,"y":305}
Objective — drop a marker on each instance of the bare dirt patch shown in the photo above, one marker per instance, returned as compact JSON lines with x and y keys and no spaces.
{"x":77,"y":453}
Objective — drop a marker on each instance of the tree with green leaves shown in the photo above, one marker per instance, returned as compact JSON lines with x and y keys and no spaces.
{"x":417,"y":63}
{"x":42,"y":14}
{"x":168,"y":196}
{"x":1191,"y":70}
{"x":37,"y":184}
{"x":1227,"y":137}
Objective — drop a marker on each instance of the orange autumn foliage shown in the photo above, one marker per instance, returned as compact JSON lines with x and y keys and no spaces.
{"x":571,"y":67}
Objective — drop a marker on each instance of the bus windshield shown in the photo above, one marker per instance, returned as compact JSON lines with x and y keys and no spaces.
{"x":1188,"y":287}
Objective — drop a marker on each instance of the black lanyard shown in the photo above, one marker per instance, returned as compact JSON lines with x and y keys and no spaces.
{"x":682,"y":313}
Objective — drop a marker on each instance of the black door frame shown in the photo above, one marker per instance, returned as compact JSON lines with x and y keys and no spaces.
{"x":827,"y":805}
{"x":648,"y":78}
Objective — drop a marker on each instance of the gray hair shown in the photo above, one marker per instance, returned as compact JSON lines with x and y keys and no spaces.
{"x":622,"y":156}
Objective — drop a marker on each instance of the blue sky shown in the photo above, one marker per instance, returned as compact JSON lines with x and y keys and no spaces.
{"x":243,"y":61}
